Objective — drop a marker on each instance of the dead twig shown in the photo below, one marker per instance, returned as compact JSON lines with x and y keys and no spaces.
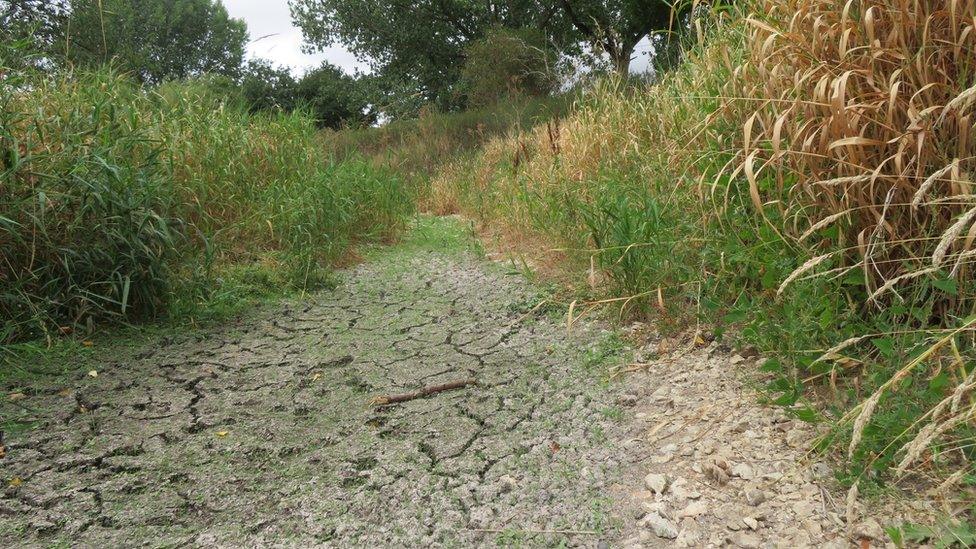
{"x":535,"y":531}
{"x":383,"y":400}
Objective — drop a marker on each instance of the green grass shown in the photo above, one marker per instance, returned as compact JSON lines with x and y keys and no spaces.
{"x":417,"y":148}
{"x":124,"y":204}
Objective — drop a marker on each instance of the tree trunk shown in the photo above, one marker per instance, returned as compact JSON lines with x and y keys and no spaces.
{"x":621,"y":58}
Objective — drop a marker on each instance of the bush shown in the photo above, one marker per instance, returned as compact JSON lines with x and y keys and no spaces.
{"x":86,"y":206}
{"x":115,"y":200}
{"x":268,"y":88}
{"x":863,"y":162}
{"x":508,"y":63}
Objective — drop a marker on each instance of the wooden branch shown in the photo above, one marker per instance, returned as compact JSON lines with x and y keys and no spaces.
{"x":384,"y":400}
{"x":535,"y":531}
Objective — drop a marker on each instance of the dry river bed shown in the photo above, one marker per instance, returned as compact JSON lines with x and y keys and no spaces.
{"x":264,"y":431}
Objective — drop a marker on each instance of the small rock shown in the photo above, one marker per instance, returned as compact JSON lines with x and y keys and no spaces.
{"x":627,"y":399}
{"x":754,"y":496}
{"x":693,"y":509}
{"x":716,"y":474}
{"x":661,"y":393}
{"x":662,"y":458}
{"x":481,"y":517}
{"x":804,"y":509}
{"x":680,"y":492}
{"x":633,"y":543}
{"x":688,"y":538}
{"x":749,"y":352}
{"x":743,"y":471}
{"x":796,"y":437}
{"x":746,"y":540}
{"x":656,"y":483}
{"x":507,"y":484}
{"x":752,"y":523}
{"x":820,"y":470}
{"x":662,"y":527}
{"x":869,"y":529}
{"x":750,"y":434}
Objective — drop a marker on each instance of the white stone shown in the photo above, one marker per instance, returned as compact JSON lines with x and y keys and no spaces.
{"x":693,"y":509}
{"x":754,"y":496}
{"x":656,"y":483}
{"x":662,"y":527}
{"x":743,"y":471}
{"x":746,"y":541}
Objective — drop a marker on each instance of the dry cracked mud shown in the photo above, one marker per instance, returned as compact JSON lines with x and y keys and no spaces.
{"x":261,"y":432}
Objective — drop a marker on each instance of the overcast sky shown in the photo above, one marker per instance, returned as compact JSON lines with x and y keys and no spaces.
{"x":282,"y":42}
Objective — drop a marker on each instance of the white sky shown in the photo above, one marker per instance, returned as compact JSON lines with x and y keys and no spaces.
{"x":284,"y":46}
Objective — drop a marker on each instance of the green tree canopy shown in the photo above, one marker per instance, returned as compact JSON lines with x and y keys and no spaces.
{"x":334,"y":98}
{"x":413,"y":44}
{"x":36,"y":21}
{"x":155,"y":40}
{"x":422,"y":44}
{"x":508,"y":63}
{"x":266,"y":87}
{"x":614,"y":27}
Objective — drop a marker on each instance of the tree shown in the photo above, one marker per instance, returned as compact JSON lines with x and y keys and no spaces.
{"x":614,"y":27}
{"x":265,"y":87}
{"x":424,"y":42}
{"x":156,"y":39}
{"x":418,"y":45}
{"x":35,"y":21}
{"x":508,"y":63}
{"x":334,"y":98}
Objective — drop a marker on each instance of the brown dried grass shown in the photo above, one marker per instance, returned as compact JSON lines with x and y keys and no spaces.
{"x":865,"y":123}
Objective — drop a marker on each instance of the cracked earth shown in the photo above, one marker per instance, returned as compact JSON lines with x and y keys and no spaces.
{"x":262,"y":432}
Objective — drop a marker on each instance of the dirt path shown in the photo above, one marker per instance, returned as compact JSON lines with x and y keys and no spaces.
{"x":720,"y":470}
{"x":261,"y":433}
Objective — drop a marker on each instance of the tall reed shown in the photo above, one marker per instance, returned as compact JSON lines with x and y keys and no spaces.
{"x":116,"y":201}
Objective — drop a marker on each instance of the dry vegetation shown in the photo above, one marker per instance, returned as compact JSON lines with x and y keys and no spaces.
{"x":805,"y":177}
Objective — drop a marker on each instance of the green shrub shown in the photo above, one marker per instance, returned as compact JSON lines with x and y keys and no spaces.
{"x":122,"y":203}
{"x":86,"y":206}
{"x":508,"y":63}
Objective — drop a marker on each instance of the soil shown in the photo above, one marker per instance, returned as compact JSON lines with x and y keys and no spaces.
{"x":265,"y":431}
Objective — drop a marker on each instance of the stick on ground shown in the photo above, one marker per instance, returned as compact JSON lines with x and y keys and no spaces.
{"x":384,"y":400}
